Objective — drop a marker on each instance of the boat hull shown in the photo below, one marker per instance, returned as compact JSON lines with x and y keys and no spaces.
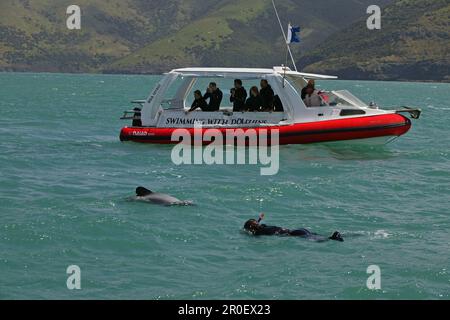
{"x":387,"y":125}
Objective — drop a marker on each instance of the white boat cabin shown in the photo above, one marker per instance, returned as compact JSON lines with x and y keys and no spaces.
{"x":169,"y":101}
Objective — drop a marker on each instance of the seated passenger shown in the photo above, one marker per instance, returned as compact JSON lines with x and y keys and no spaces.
{"x":311,"y":84}
{"x":214,"y":95}
{"x":312,"y":98}
{"x":267,"y":96}
{"x":277,"y":104}
{"x":238,"y":96}
{"x":255,"y":101}
{"x":199,"y":102}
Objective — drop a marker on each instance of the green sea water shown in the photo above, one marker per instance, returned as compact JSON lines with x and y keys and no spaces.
{"x":65,"y":178}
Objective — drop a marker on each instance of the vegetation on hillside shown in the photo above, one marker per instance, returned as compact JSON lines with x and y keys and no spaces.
{"x":142,"y":36}
{"x":413,"y":43}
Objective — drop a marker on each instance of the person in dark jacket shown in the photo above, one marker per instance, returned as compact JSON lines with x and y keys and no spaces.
{"x":137,"y":122}
{"x":199,"y":102}
{"x":255,"y":101}
{"x":255,"y":228}
{"x":215,"y":96}
{"x":277,"y":104}
{"x":267,"y":96}
{"x":238,"y":96}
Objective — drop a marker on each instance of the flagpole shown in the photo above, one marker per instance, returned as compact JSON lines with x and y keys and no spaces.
{"x":284,"y":36}
{"x":285,"y":66}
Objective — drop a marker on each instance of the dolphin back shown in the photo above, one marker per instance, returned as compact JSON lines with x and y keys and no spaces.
{"x":143,"y":194}
{"x":162,"y":198}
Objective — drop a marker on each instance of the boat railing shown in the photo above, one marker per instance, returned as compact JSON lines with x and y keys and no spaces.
{"x":131,"y":115}
{"x":139,"y":102}
{"x":134,"y":114}
{"x":413,"y":112}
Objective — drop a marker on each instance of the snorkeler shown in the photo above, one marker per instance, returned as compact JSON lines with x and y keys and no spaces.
{"x":257,"y":229}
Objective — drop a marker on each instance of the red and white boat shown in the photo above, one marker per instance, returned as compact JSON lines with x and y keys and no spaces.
{"x":340,"y":117}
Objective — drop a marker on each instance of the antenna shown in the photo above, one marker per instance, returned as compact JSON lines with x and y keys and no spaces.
{"x":284,"y":36}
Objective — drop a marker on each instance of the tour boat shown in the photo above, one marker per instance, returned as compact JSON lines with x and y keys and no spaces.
{"x":340,"y":116}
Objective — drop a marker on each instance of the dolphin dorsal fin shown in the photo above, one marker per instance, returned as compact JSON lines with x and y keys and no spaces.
{"x":142,"y":192}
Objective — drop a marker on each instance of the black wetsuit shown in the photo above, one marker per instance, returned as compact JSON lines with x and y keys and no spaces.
{"x":240,"y":96}
{"x":215,"y":99}
{"x":264,"y":230}
{"x":267,"y":96}
{"x":277,"y":104}
{"x":137,"y":122}
{"x":254,"y":103}
{"x":199,"y":103}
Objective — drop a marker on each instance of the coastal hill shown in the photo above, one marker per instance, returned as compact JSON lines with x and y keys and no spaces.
{"x":34,"y":36}
{"x":244,"y":34}
{"x":141,"y":36}
{"x":413,"y":44}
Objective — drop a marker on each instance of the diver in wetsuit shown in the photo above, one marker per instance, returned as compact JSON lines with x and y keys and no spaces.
{"x":255,"y":228}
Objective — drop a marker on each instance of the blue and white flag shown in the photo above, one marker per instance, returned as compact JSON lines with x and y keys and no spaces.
{"x":292,"y":35}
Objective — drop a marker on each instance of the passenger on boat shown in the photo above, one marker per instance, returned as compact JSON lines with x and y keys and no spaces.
{"x":277,"y":104}
{"x":137,"y":122}
{"x":267,"y":96}
{"x":312,"y":98}
{"x":214,"y":95}
{"x":199,"y":102}
{"x":255,"y":228}
{"x":311,"y":84}
{"x":255,"y":101}
{"x":238,"y":96}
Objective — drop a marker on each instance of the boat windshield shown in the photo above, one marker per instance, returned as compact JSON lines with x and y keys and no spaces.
{"x":342,"y":98}
{"x":349,"y":97}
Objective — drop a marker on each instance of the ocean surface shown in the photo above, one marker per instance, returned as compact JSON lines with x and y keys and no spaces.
{"x":65,"y":180}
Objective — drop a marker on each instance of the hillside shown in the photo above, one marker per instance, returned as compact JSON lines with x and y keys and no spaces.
{"x":413,"y":43}
{"x":143,"y":36}
{"x":243,"y":33}
{"x":33,"y":34}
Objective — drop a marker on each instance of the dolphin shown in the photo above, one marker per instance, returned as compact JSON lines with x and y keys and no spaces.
{"x":143,"y":194}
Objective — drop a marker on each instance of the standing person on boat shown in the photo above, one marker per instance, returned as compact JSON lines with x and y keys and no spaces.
{"x":267,"y":96}
{"x":311,"y":84}
{"x":215,"y":96}
{"x":238,"y":96}
{"x":255,"y":101}
{"x":255,"y":228}
{"x":199,"y":102}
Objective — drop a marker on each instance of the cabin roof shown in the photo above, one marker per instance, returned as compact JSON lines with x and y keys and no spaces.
{"x":225,"y":70}
{"x":250,"y":71}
